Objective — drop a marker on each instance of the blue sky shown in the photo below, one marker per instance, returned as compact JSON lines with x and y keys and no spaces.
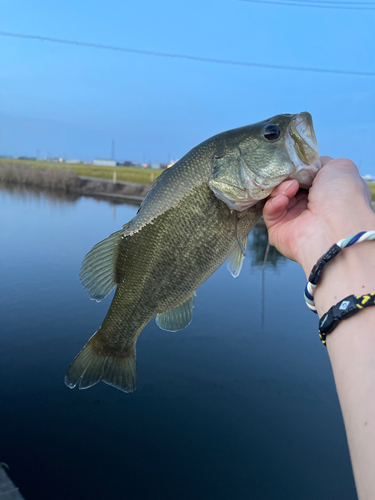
{"x":72,"y":101}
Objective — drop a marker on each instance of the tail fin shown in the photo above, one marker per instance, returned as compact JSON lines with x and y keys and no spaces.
{"x":88,"y":368}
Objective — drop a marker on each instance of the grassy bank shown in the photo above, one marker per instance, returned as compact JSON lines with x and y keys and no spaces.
{"x":371,"y":186}
{"x":129,"y":174}
{"x":57,"y":179}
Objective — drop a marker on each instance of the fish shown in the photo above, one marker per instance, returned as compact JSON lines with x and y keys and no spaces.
{"x":197,"y":215}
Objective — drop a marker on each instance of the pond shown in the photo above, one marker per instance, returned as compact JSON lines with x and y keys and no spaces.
{"x":239,"y":405}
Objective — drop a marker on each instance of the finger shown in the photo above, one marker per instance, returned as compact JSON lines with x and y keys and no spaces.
{"x":325,"y":159}
{"x":292,"y":202}
{"x":297,"y":208}
{"x":275,"y":207}
{"x":276,"y":212}
{"x":294,"y":209}
{"x":289,"y":188}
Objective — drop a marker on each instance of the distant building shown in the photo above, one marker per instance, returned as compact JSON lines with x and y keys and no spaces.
{"x":127,"y":163}
{"x":155,"y":164}
{"x":131,"y":164}
{"x":73,"y":160}
{"x":53,"y":160}
{"x":104,"y":163}
{"x":368,"y":178}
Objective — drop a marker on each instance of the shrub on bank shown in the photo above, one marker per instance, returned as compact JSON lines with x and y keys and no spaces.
{"x":127,"y":174}
{"x":59,"y":179}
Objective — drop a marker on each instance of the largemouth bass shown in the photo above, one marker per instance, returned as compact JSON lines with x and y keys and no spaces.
{"x":197,"y":215}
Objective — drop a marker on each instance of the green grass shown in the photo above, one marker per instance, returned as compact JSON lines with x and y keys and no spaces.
{"x":371,"y":186}
{"x":130,"y":174}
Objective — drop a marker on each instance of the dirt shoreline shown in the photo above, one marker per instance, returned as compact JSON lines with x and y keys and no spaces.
{"x":131,"y":192}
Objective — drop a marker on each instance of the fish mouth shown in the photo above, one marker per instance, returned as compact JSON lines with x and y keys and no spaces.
{"x":302,"y":148}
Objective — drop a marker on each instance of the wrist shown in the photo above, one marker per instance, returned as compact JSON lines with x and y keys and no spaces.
{"x":351,"y":272}
{"x":330,"y":234}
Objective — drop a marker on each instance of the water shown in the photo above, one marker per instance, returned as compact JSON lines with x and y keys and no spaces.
{"x":240,"y":405}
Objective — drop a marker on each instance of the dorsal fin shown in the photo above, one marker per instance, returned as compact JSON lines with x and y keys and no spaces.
{"x":98,"y":270}
{"x":177,"y":318}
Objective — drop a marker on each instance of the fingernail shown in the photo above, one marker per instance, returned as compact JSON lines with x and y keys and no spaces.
{"x":286,"y":187}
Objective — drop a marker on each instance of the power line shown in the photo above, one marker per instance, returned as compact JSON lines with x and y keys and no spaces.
{"x":341,"y":3}
{"x":318,"y":4}
{"x":184,"y":56}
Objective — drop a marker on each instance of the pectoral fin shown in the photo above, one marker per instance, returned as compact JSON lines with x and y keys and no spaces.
{"x":98,"y":270}
{"x":177,"y":318}
{"x":236,"y":258}
{"x":242,"y":244}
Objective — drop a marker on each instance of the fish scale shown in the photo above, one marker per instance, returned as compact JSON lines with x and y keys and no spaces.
{"x":168,"y":280}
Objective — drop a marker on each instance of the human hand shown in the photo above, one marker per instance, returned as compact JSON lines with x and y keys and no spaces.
{"x":302,"y":226}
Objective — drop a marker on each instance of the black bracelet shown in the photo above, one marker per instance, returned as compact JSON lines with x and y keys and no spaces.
{"x":343,"y":310}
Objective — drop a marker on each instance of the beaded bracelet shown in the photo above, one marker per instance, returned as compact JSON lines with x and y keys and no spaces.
{"x":335,"y":249}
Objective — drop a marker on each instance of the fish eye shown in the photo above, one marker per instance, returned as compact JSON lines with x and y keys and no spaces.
{"x":271,"y":132}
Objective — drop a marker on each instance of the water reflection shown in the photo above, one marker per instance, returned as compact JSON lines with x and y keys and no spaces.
{"x":56,"y":197}
{"x":257,"y":248}
{"x":223,"y":411}
{"x":33,"y":192}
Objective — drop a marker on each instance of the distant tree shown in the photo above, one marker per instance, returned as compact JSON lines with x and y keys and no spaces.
{"x":257,"y":247}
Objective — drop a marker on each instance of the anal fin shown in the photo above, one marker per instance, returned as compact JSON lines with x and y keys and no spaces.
{"x":177,"y":318}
